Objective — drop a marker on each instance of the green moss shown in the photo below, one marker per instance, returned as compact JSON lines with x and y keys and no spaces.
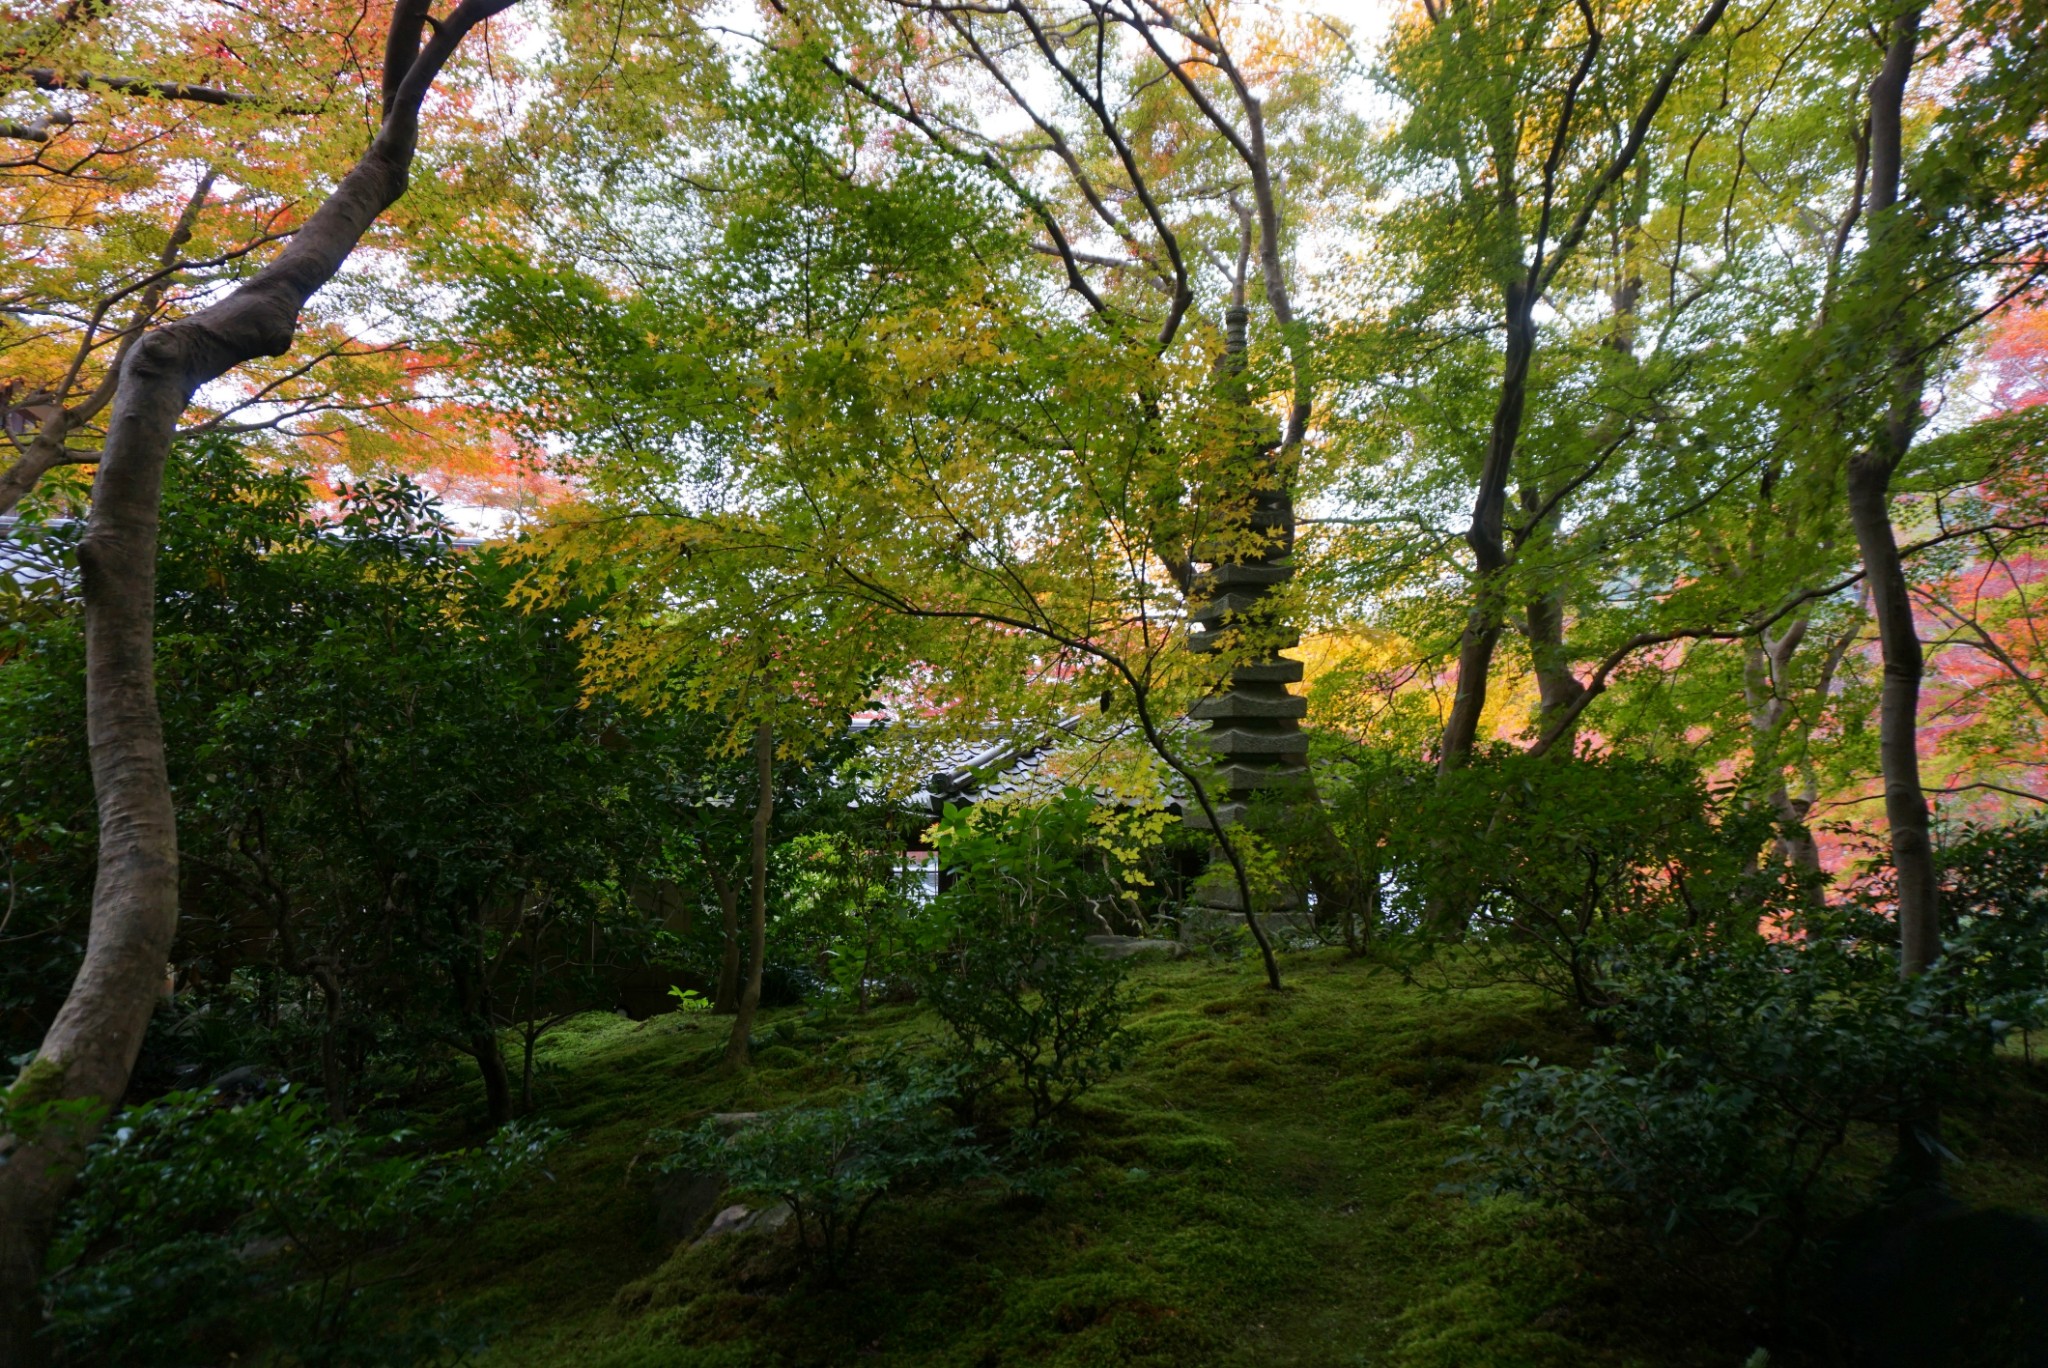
{"x":41,"y":1082}
{"x":781,"y":1057}
{"x":1263,"y":1186}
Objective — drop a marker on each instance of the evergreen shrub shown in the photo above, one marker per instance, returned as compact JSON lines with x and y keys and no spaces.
{"x":205,"y":1229}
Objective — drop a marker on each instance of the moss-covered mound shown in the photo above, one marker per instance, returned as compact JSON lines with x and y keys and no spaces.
{"x":1265,"y":1185}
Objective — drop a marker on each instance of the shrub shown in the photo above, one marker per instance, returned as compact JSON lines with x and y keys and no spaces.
{"x":1744,"y":1066}
{"x":1554,"y":866}
{"x":203,"y":1230}
{"x":1994,"y":906}
{"x":1021,"y":991}
{"x":1348,"y":849}
{"x":848,"y":904}
{"x":832,"y":1163}
{"x":1034,"y":1002}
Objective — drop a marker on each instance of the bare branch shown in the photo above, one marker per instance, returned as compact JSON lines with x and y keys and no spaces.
{"x":51,"y":78}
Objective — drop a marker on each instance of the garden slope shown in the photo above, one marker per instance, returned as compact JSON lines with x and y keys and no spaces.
{"x":1262,"y":1186}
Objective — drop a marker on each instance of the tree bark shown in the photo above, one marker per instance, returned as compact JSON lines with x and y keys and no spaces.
{"x":89,"y":1050}
{"x":473,"y":1005}
{"x":1519,"y":298}
{"x":1795,"y":844}
{"x":332,"y":1078}
{"x":1918,"y":1164}
{"x":1489,"y":551}
{"x":1558,"y":690}
{"x":757,"y":920}
{"x":1870,"y":474}
{"x":490,"y":1063}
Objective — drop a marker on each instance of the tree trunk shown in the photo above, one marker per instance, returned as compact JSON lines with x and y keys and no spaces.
{"x":757,"y":921}
{"x":473,"y":1007}
{"x":490,"y":1062}
{"x":331,"y":1076}
{"x":1795,"y":844}
{"x":1870,"y":474}
{"x":1484,"y":536}
{"x":1905,"y":802}
{"x":1918,"y":1164}
{"x":90,"y":1048}
{"x":1558,"y":689}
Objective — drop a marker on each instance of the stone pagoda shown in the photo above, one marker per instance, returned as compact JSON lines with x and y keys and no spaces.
{"x":1254,"y":724}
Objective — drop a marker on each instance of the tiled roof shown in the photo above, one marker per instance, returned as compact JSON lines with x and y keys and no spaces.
{"x":1030,"y":764}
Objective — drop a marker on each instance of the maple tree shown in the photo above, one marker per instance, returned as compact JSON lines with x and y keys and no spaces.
{"x":85,"y":1057}
{"x":1654,"y":389}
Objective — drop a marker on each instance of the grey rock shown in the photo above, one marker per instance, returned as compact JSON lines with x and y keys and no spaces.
{"x":1134,"y":947}
{"x":739,"y":1218}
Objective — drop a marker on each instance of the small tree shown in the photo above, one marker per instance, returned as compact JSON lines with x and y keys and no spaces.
{"x":831,"y":1164}
{"x":1017,"y":984}
{"x":91,"y":1046}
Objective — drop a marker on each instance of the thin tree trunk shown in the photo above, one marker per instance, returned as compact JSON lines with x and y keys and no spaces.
{"x":1446,"y":912}
{"x":1558,"y":690}
{"x":1795,"y":844}
{"x":89,"y":1050}
{"x":757,"y":921}
{"x":473,"y":1004}
{"x":1518,"y":304}
{"x":1918,"y":1164}
{"x":1905,"y":801}
{"x":331,"y":1077}
{"x":1870,"y":474}
{"x":490,"y":1063}
{"x":1489,"y":552}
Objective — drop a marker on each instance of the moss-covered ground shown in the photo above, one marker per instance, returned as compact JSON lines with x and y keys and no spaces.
{"x":1265,"y":1185}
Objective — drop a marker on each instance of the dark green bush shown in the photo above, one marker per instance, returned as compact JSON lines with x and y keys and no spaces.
{"x":1023,"y":994}
{"x":831,"y":1164}
{"x":848,"y":907}
{"x":1994,"y":906}
{"x":204,"y":1230}
{"x":1745,"y":1065}
{"x":1547,"y":867}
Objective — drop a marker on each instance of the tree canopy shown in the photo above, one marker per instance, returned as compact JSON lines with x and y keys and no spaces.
{"x":517,"y":508}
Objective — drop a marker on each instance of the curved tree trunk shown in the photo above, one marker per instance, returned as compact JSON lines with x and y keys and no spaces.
{"x":490,"y":1065}
{"x":1870,"y":474}
{"x":1486,"y":617}
{"x":757,"y":920}
{"x":87,"y":1054}
{"x":1559,"y":691}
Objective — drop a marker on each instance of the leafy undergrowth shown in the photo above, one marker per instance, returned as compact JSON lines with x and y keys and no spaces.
{"x":1262,"y":1186}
